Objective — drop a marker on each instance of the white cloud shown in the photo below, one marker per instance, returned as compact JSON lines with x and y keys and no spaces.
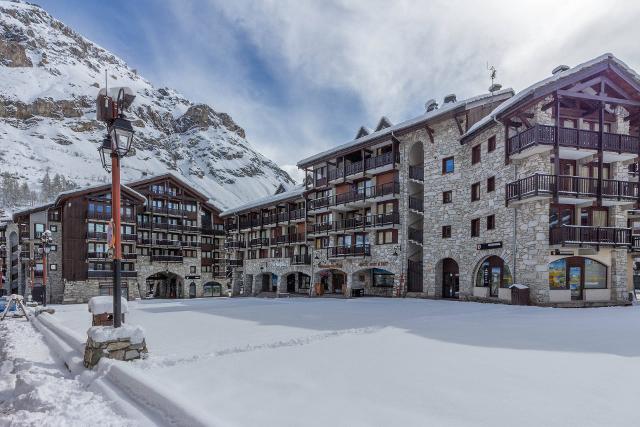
{"x":389,"y":56}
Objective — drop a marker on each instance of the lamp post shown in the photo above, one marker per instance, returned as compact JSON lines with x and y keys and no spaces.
{"x":116,"y":145}
{"x":45,"y":247}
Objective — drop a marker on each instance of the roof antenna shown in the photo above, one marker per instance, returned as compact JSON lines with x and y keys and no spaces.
{"x":493,"y":74}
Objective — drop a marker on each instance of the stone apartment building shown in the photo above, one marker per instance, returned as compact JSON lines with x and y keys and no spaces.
{"x":537,"y":188}
{"x":172,"y":243}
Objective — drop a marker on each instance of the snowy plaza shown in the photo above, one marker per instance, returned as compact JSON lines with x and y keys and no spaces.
{"x":362,"y":362}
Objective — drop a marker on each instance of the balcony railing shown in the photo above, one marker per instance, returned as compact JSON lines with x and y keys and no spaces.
{"x":589,"y":235}
{"x":345,"y":251}
{"x":239,"y":244}
{"x":573,"y":186}
{"x":301,"y":259}
{"x":381,"y":160}
{"x":208,"y":231}
{"x":416,"y":203}
{"x":355,"y":196}
{"x":167,"y":258}
{"x":288,"y":238}
{"x":261,"y":241}
{"x":97,"y":235}
{"x":415,"y":234}
{"x":97,"y":274}
{"x":416,"y":172}
{"x":234,"y":263}
{"x":575,"y":138}
{"x":130,"y":256}
{"x":361,"y":222}
{"x":97,"y":255}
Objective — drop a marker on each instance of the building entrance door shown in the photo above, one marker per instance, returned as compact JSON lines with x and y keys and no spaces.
{"x":291,"y":283}
{"x":450,"y":279}
{"x":576,"y":278}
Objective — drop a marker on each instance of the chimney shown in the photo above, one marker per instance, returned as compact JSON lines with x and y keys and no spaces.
{"x":430,"y":105}
{"x":559,"y":69}
{"x":495,"y":87}
{"x":450,"y":98}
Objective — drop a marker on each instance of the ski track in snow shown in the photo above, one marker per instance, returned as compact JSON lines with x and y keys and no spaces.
{"x":35,"y":388}
{"x":168,"y":361}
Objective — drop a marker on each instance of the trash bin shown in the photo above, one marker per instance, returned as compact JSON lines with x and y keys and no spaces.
{"x":519,"y":294}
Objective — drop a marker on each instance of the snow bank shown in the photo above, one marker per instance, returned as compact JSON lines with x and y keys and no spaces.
{"x":104,"y":304}
{"x":134,"y":333}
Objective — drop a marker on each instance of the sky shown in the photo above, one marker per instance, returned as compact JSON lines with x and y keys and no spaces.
{"x":303,"y":76}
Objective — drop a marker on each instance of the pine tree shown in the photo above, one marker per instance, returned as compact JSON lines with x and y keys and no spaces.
{"x":46,"y":192}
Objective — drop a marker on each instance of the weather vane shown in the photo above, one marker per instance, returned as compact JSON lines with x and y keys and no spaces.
{"x":493,"y":73}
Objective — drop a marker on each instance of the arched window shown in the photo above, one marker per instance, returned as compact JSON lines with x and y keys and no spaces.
{"x":494,"y":274}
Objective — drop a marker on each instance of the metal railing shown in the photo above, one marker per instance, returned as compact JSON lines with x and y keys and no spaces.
{"x":355,"y":196}
{"x":167,"y":258}
{"x":416,"y":203}
{"x":575,"y":138}
{"x":416,"y":172}
{"x":301,"y":259}
{"x":415,"y":234}
{"x":574,"y":186}
{"x":345,"y":251}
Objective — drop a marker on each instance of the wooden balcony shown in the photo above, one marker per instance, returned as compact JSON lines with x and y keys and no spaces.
{"x":544,"y":135}
{"x":166,"y":258}
{"x":416,"y":204}
{"x":301,"y":260}
{"x":572,"y":187}
{"x":360,"y":222}
{"x":347,"y":251}
{"x":99,"y":274}
{"x":416,"y":173}
{"x":589,"y":235}
{"x":365,"y":194}
{"x":239,"y":244}
{"x":259,"y":242}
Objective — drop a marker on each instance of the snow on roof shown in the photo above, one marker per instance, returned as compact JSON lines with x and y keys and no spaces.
{"x":94,"y":187}
{"x":553,"y":78}
{"x":296,"y":192}
{"x":430,"y":115}
{"x":33,"y":209}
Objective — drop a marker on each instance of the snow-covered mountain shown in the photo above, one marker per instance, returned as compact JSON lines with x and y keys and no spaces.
{"x":49,"y":80}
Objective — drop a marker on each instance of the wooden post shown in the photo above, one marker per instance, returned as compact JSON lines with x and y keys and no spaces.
{"x":556,"y":148}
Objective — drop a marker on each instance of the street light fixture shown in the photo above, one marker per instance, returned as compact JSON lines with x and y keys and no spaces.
{"x":115,"y":145}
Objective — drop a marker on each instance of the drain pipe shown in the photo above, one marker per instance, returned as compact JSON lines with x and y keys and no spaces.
{"x":515,"y":215}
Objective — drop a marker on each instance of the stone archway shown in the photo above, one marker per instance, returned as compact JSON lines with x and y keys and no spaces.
{"x":330,"y":281}
{"x":373,"y":282}
{"x":448,"y":278}
{"x":265,"y":282}
{"x":165,"y":284}
{"x":212,"y":289}
{"x":490,"y":275}
{"x":296,"y":282}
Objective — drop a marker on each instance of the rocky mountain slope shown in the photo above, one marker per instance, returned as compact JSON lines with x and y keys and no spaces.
{"x":49,"y":79}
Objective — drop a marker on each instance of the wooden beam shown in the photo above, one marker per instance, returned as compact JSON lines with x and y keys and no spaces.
{"x":623,"y":75}
{"x":615,"y":87}
{"x":602,"y":98}
{"x":581,"y":86}
{"x":524,"y":120}
{"x":430,"y":133}
{"x":459,"y":126}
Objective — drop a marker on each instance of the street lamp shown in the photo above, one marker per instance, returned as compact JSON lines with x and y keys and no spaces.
{"x":116,"y":145}
{"x":45,"y":247}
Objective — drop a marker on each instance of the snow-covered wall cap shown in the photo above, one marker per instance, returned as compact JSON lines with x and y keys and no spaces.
{"x":104,"y":304}
{"x":294,"y":193}
{"x":537,"y":86}
{"x":427,"y":116}
{"x":518,"y":286}
{"x":134,"y":333}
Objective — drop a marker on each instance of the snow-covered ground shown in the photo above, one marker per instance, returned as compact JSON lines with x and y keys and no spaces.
{"x":37,"y":390}
{"x":383,"y":362}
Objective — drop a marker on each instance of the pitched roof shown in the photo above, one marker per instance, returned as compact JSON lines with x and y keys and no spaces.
{"x":33,"y":209}
{"x":94,"y":188}
{"x":173,"y":176}
{"x":550,"y":82}
{"x":383,"y":123}
{"x":294,"y":193}
{"x":407,"y":125}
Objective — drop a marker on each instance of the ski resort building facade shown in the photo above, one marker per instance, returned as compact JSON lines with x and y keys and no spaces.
{"x":538,"y":188}
{"x":172,"y":244}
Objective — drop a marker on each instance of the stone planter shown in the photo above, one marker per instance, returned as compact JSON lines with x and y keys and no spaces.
{"x":481,"y":291}
{"x":125,"y":343}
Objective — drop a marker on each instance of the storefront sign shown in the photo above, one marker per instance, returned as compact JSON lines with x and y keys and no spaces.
{"x":490,"y":245}
{"x":336,"y":265}
{"x":373,"y":264}
{"x":192,"y":277}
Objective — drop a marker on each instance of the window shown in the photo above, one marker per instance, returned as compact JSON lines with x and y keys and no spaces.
{"x":446,"y":231}
{"x":53,"y":248}
{"x":491,"y":222}
{"x":475,"y":227}
{"x":491,"y":144}
{"x":193,"y":269}
{"x":576,"y":274}
{"x":53,"y":267}
{"x":448,"y":165}
{"x":475,"y":192}
{"x":386,"y":236}
{"x":475,"y":154}
{"x":491,"y":184}
{"x":382,"y":278}
{"x":53,"y":228}
{"x":447,"y":197}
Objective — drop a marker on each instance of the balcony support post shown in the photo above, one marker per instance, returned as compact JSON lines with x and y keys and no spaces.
{"x":556,"y":148}
{"x":600,"y":144}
